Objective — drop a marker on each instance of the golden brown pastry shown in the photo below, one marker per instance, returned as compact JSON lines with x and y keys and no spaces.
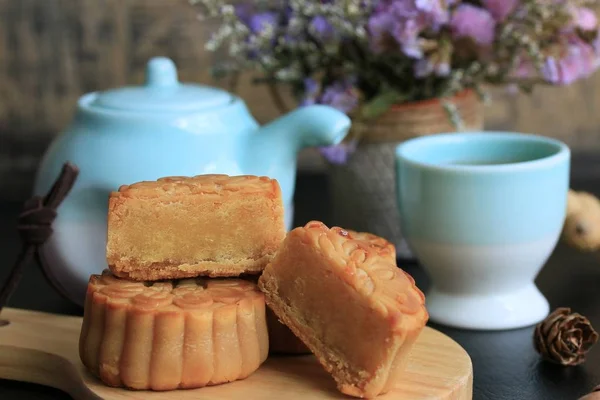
{"x":281,"y":339}
{"x":383,"y":247}
{"x":208,"y":225}
{"x":346,"y":299}
{"x":172,"y":334}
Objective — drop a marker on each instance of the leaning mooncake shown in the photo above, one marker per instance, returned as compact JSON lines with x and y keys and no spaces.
{"x":281,"y":339}
{"x":347,"y":300}
{"x":207,"y":225}
{"x":172,"y":334}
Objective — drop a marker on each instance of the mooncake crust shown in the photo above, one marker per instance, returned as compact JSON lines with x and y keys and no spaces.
{"x":181,"y":227}
{"x":154,"y":271}
{"x":172,"y":334}
{"x":281,"y":339}
{"x":383,"y":246}
{"x":207,"y":184}
{"x":368,"y":275}
{"x":367,"y":266}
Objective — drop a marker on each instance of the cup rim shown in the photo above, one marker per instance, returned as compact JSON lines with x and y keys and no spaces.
{"x":562,"y":151}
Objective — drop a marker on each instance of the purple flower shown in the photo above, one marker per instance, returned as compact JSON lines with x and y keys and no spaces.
{"x":255,"y":21}
{"x":311,"y":91}
{"x":473,"y":22}
{"x":261,"y":21}
{"x":401,"y":22}
{"x":341,"y":95}
{"x":435,"y":12}
{"x":551,"y":70}
{"x":244,"y":12}
{"x":338,"y":154}
{"x":407,"y":34}
{"x":584,"y":18}
{"x":500,"y":9}
{"x":579,"y":60}
{"x":321,"y":27}
{"x":525,"y":69}
{"x":379,"y":27}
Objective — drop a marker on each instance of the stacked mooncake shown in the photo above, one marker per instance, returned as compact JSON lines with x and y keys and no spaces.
{"x":171,"y":312}
{"x":194,"y":262}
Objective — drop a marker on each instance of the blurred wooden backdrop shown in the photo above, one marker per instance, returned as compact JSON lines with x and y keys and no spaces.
{"x":53,"y":51}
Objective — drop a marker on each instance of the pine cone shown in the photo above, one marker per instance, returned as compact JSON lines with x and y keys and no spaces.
{"x":564,"y":337}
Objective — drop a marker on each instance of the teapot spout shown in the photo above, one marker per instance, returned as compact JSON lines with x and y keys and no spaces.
{"x":314,"y":125}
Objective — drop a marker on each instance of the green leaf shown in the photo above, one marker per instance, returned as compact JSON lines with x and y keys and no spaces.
{"x":380,"y":103}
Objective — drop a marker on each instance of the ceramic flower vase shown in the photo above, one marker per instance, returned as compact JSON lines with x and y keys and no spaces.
{"x":364,"y":189}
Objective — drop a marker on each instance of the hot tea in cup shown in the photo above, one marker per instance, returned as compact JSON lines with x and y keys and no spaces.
{"x":482,"y":212}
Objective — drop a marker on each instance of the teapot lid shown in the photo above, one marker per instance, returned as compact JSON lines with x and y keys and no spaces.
{"x":162,"y":92}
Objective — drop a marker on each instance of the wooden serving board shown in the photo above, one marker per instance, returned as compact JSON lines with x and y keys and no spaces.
{"x":43,"y":348}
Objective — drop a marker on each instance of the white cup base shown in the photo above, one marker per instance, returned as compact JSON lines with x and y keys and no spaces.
{"x":511,"y":310}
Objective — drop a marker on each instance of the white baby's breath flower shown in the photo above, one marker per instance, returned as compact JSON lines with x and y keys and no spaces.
{"x":211,"y":45}
{"x":360,"y":32}
{"x":282,"y":74}
{"x":227,"y":10}
{"x":353,"y":9}
{"x":295,"y":24}
{"x":239,"y":28}
{"x":235,"y":49}
{"x":454,"y":115}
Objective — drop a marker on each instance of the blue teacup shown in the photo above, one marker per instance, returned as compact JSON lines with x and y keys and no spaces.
{"x":482,"y":212}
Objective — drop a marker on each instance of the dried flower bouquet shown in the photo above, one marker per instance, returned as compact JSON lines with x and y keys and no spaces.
{"x":363,"y":56}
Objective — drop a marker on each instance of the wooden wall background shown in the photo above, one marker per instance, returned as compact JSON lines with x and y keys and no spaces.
{"x":53,"y":51}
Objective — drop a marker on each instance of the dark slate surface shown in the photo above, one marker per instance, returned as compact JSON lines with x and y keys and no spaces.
{"x":506,"y":367}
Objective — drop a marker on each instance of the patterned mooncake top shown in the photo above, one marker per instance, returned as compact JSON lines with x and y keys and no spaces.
{"x":385,"y":247}
{"x":366,"y":263}
{"x":200,"y":184}
{"x":185,"y":294}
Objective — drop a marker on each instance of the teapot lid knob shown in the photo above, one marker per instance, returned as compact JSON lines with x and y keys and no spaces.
{"x":161,"y":93}
{"x":161,"y":72}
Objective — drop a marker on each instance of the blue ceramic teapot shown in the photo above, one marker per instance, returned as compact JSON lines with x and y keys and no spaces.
{"x":163,"y":128}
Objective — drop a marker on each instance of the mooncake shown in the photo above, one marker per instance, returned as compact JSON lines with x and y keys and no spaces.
{"x":207,"y":225}
{"x":172,"y":334}
{"x":383,"y":247}
{"x":349,"y":303}
{"x":281,"y":339}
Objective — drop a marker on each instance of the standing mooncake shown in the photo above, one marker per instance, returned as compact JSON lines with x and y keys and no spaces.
{"x":347,"y":300}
